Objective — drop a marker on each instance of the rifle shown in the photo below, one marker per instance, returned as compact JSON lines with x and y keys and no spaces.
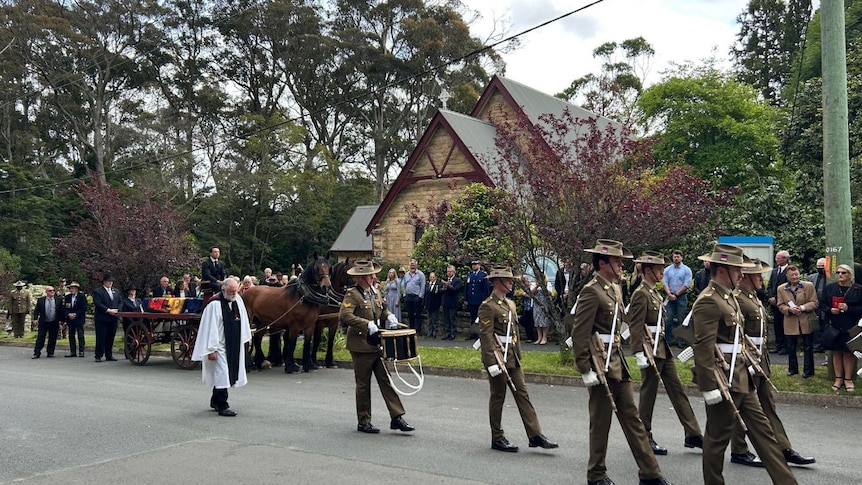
{"x":754,"y":360}
{"x":501,"y":363}
{"x":724,"y":386}
{"x":649,"y":346}
{"x":598,"y":355}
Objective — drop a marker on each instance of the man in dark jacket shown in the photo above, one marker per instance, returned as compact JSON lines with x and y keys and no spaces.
{"x":451,"y":288}
{"x":49,"y":313}
{"x":106,"y":298}
{"x":75,"y":313}
{"x":433,"y":299}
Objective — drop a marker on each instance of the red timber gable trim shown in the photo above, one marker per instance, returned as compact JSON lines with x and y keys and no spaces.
{"x":405,"y":179}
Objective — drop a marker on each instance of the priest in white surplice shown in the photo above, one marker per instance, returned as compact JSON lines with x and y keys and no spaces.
{"x":220,"y":345}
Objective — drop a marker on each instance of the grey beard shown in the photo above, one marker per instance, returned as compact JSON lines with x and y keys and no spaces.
{"x":230,"y":298}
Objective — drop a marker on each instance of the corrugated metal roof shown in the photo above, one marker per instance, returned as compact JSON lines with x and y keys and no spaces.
{"x":480,"y":139}
{"x":353,"y":237}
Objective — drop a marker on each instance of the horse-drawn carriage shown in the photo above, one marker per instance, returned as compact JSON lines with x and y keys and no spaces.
{"x":141,"y":330}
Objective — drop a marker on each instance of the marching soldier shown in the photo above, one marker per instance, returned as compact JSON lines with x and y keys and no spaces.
{"x":18,"y":307}
{"x":363,"y":313}
{"x":755,"y":327}
{"x":599,"y":314}
{"x":501,"y":355}
{"x":727,"y":389}
{"x":645,"y":316}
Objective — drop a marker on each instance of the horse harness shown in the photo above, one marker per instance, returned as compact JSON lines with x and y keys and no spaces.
{"x":309,"y":295}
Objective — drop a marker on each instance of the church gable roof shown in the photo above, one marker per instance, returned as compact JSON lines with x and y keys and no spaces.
{"x":353,"y":237}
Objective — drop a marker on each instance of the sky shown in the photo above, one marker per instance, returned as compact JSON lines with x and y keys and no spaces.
{"x":550,"y":58}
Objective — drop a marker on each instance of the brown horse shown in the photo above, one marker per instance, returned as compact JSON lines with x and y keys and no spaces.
{"x":328,"y":317}
{"x":293,"y":307}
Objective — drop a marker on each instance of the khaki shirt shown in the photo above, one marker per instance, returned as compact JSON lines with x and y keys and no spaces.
{"x":755,"y":324}
{"x":494,"y":315}
{"x":643,"y":313}
{"x":716,"y":316}
{"x":19,"y":302}
{"x":357,"y":309}
{"x":596,"y":305}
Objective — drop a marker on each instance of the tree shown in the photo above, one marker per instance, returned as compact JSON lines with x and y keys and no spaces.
{"x":571,"y":181}
{"x":613,"y":93}
{"x":770,"y":35}
{"x":715,"y":124}
{"x":137,"y":240}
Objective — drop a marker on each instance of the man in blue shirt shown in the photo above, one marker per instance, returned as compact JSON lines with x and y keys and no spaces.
{"x":676,"y":281}
{"x":414,"y":291}
{"x":476,"y":289}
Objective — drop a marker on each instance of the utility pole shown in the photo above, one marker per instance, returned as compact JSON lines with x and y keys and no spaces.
{"x":836,"y":151}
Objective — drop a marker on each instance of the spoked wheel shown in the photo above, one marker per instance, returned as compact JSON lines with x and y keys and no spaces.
{"x":183,"y":346}
{"x":137,"y":343}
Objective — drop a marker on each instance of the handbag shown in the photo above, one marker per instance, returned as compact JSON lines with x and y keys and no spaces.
{"x":827,"y":338}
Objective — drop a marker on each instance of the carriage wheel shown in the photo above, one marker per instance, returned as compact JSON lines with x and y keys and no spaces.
{"x":137,"y":343}
{"x":183,"y":346}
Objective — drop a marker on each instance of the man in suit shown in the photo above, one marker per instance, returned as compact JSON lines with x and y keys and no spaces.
{"x":433,"y":299}
{"x":49,"y":313}
{"x":562,"y":283}
{"x":599,"y":309}
{"x":164,"y":288}
{"x":719,"y":320}
{"x":75,"y":305}
{"x":500,"y":336}
{"x":451,"y":288}
{"x":777,"y":278}
{"x":476,"y":289}
{"x":364,"y":314}
{"x":212,"y":271}
{"x":106,"y":298}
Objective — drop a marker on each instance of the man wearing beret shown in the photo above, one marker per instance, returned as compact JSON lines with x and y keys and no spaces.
{"x":363,"y":313}
{"x":599,"y":308}
{"x":499,"y":335}
{"x":718,"y":320}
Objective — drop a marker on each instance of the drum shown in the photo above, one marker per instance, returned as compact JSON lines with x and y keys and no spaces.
{"x":398,"y":344}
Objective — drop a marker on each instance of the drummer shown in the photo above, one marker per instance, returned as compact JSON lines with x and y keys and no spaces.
{"x":498,"y":317}
{"x":363,"y":314}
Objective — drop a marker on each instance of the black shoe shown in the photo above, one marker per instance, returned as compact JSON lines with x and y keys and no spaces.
{"x":653,"y":481}
{"x":71,"y":355}
{"x":747,"y":459}
{"x":656,"y":449}
{"x":98,"y":359}
{"x":694,"y":442}
{"x":35,"y":356}
{"x":401,"y":425}
{"x":791,"y":456}
{"x":792,"y":373}
{"x":80,"y":354}
{"x":782,"y":351}
{"x":110,"y":359}
{"x":503,"y":444}
{"x":50,"y":356}
{"x":367,"y":428}
{"x":542,"y":441}
{"x":806,"y":375}
{"x":603,"y":481}
{"x":226,"y":412}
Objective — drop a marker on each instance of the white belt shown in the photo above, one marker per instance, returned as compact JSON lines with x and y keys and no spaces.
{"x":606,"y":337}
{"x":653,"y":330}
{"x":730,"y":349}
{"x":757,"y":340}
{"x":504,"y":339}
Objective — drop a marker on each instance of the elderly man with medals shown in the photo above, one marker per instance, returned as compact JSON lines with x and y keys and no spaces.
{"x":598,"y":316}
{"x":501,"y":355}
{"x":754,"y":329}
{"x":723,"y":374}
{"x":220,"y":345}
{"x":653,"y":354}
{"x":363,"y":313}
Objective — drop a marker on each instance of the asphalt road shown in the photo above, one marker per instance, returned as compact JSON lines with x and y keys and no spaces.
{"x":70,"y":421}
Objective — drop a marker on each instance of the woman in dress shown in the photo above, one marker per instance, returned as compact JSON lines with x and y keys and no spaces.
{"x":392,"y":292}
{"x":541,"y":305}
{"x":842,"y":304}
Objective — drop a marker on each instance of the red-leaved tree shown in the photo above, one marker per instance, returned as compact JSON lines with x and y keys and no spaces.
{"x":572,"y":181}
{"x":137,"y":241}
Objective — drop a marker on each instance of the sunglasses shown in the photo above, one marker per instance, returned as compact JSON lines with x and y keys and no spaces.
{"x":842,"y":272}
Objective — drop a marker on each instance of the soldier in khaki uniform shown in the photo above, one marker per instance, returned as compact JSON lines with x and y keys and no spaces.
{"x":363,"y":313}
{"x":18,"y":307}
{"x":498,"y":317}
{"x":717,"y":320}
{"x":599,"y":308}
{"x":755,"y":327}
{"x":644,"y":316}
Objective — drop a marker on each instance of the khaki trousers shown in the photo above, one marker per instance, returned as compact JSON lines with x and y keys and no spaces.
{"x":365,"y":364}
{"x":675,"y":392}
{"x":767,"y":404}
{"x":522,"y":399}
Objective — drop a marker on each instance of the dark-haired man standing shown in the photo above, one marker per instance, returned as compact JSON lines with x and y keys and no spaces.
{"x":106,"y":299}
